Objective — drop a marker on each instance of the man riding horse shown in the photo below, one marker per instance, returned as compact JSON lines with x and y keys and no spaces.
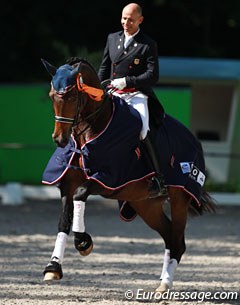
{"x":92,"y":140}
{"x":130,"y":59}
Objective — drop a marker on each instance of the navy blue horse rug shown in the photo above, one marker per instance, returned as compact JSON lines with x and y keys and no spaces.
{"x":113,"y":158}
{"x":116,"y":157}
{"x":181,"y":159}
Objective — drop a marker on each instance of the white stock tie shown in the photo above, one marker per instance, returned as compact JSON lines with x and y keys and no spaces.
{"x":127,"y":41}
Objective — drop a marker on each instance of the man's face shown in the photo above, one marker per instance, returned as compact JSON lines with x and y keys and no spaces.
{"x":130,"y":20}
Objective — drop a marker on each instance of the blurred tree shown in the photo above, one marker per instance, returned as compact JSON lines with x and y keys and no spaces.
{"x":56,"y":30}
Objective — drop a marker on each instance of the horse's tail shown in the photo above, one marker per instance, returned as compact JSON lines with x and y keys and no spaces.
{"x":207,"y":205}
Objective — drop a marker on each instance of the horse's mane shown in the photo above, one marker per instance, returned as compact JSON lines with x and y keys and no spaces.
{"x":75,"y":60}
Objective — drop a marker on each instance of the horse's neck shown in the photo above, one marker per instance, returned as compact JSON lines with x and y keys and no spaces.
{"x":94,"y":124}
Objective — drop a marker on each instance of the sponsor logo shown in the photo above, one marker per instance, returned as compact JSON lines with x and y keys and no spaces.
{"x":186,"y":167}
{"x":197,"y":175}
{"x":193,"y":171}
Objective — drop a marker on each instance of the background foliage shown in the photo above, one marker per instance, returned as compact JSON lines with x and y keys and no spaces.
{"x":56,"y":30}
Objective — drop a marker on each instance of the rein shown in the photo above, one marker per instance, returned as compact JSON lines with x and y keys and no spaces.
{"x":95,"y":94}
{"x":96,"y":114}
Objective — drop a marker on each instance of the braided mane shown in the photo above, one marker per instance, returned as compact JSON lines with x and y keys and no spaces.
{"x":75,"y":60}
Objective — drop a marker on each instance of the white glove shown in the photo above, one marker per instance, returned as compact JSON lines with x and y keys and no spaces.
{"x":119,"y":83}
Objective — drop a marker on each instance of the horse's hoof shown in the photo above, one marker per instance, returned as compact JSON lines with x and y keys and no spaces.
{"x":53,"y":271}
{"x":163,"y":288}
{"x":83,"y":243}
{"x":51,"y":276}
{"x":87,"y":251}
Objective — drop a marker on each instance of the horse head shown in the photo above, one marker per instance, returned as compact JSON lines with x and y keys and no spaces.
{"x":75,"y":93}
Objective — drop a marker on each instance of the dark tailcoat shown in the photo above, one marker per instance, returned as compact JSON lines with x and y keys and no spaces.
{"x":138,"y":63}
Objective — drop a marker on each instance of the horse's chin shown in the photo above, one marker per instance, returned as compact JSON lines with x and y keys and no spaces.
{"x":62,"y":145}
{"x":60,"y":141}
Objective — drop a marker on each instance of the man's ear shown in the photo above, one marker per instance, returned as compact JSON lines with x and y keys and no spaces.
{"x":141,"y":19}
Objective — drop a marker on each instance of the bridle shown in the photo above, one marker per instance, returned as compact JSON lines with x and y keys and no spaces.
{"x":94,"y":114}
{"x":62,"y":119}
{"x":81,"y":103}
{"x":80,"y":100}
{"x":94,"y":93}
{"x":75,"y":80}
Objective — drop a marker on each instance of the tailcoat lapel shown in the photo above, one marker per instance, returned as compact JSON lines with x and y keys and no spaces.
{"x":119,"y":47}
{"x":122,"y":53}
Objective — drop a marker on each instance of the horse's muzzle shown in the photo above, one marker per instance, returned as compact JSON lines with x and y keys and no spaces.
{"x":60,"y":140}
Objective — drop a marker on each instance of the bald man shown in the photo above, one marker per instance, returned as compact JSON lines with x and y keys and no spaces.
{"x":130,"y":60}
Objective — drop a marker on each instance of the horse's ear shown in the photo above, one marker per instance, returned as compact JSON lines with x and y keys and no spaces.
{"x":50,"y":68}
{"x":76,"y":70}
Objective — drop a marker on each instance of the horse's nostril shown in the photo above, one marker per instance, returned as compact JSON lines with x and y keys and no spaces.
{"x":57,"y":142}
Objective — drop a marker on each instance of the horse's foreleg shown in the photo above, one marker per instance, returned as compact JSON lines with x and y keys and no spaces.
{"x":82,"y":240}
{"x":53,"y":270}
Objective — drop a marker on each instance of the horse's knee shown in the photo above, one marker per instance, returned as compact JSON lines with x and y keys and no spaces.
{"x":66,"y":216}
{"x":81,"y":193}
{"x":64,"y":224}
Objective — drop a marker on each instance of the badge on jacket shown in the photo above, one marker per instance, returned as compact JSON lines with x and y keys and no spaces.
{"x":136,"y":61}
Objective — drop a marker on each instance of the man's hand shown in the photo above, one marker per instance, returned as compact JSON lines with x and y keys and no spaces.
{"x":119,"y":83}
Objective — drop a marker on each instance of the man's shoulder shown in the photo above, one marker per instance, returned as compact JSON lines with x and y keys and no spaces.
{"x":145,"y":38}
{"x":115,"y":34}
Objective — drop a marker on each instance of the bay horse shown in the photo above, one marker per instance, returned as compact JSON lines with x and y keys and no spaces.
{"x":83,"y":114}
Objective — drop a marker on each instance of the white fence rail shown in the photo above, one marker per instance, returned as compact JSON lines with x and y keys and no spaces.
{"x":16,"y":193}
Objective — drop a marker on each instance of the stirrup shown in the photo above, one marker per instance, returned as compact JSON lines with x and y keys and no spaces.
{"x":157,"y":188}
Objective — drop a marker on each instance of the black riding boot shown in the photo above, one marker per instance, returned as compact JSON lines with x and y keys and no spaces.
{"x":158,"y":187}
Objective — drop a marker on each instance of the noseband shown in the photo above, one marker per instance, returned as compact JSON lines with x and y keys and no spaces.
{"x":63,"y":119}
{"x":80,"y":101}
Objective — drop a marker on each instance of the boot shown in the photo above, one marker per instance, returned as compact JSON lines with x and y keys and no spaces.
{"x":158,"y":187}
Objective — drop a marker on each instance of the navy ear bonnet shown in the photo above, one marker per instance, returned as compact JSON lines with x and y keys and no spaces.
{"x":64,"y":79}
